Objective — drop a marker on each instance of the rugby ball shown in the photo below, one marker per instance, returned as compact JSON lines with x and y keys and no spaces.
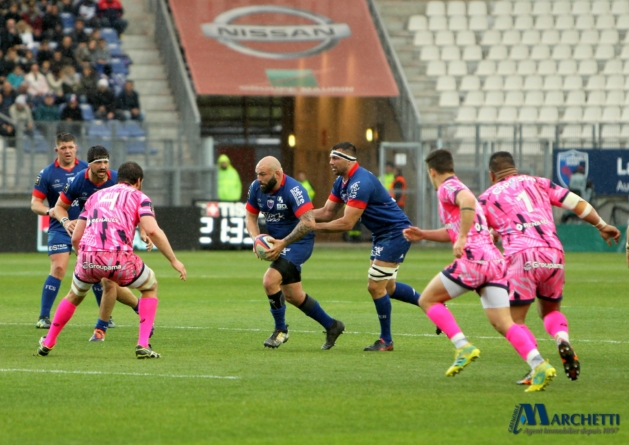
{"x":261,"y":245}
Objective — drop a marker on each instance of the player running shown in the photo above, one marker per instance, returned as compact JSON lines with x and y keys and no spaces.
{"x":365,"y":198}
{"x":48,"y":184}
{"x":289,"y":220}
{"x":478,"y":266}
{"x":103,"y":238}
{"x":519,"y":208}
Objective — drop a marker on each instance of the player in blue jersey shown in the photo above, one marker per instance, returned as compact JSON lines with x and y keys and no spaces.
{"x":96,"y":176}
{"x":289,"y":220}
{"x":365,"y":198}
{"x":48,"y":184}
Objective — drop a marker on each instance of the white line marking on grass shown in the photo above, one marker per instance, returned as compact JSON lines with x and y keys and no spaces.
{"x":137,"y":374}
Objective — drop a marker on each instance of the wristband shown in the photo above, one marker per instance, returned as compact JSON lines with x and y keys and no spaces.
{"x":601,"y":224}
{"x":48,"y":212}
{"x":63,"y":221}
{"x":627,"y":246}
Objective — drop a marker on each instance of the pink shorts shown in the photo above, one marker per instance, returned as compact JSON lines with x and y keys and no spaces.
{"x":121,"y":267}
{"x":537,"y":273}
{"x":476,"y":274}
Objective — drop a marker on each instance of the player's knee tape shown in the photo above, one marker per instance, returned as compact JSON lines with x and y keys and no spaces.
{"x":380,"y":273}
{"x":145,"y":281}
{"x":494,"y":297}
{"x":277,"y":301}
{"x":80,"y":288}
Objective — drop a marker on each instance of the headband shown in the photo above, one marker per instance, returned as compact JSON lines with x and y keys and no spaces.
{"x":98,"y":160}
{"x":340,"y":154}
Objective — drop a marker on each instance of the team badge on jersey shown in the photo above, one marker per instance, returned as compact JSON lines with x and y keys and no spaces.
{"x":269,"y":203}
{"x":567,"y":163}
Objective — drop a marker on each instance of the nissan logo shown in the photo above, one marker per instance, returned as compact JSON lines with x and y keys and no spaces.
{"x":323,"y":30}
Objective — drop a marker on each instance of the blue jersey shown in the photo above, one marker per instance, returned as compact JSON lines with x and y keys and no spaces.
{"x":50,"y":182}
{"x":364,"y":191}
{"x":80,"y":188}
{"x":282,"y":208}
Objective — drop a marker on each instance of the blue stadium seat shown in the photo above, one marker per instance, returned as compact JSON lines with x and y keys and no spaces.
{"x":88,"y":112}
{"x":68,"y":22}
{"x":115,"y":50}
{"x":99,"y":129}
{"x":36,"y":144}
{"x":110,"y":35}
{"x":118,"y":66}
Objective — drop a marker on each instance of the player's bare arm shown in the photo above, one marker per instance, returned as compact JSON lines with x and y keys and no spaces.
{"x":40,"y":208}
{"x":417,"y":234}
{"x":79,"y":229}
{"x":157,"y":235}
{"x":346,"y":222}
{"x":328,"y":212}
{"x":60,"y":212}
{"x":587,"y":213}
{"x":304,"y":227}
{"x":467,"y":206}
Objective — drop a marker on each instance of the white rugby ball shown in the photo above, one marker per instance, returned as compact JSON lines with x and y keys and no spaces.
{"x":261,"y":245}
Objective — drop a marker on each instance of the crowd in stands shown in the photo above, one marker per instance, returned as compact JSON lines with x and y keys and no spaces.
{"x":56,"y":64}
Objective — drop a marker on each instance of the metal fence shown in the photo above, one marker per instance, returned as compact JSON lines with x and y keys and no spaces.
{"x":174,"y":174}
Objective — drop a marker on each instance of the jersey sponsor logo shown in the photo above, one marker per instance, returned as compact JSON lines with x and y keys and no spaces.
{"x":532,"y":224}
{"x":280,"y":199}
{"x":480,"y":227}
{"x":55,"y":247}
{"x":87,"y":265}
{"x":38,"y":178}
{"x":273,"y":217}
{"x":537,"y":265}
{"x":498,"y":189}
{"x":353,"y":190}
{"x":298,"y":195}
{"x":377,"y":250}
{"x":101,"y":220}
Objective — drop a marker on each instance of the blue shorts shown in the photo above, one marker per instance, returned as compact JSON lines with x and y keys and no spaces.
{"x":389,"y":247}
{"x":59,"y":242}
{"x":298,"y":252}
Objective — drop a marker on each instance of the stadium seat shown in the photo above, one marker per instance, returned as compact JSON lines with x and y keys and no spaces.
{"x":115,"y":50}
{"x":600,"y":7}
{"x":540,"y":52}
{"x":443,"y":38}
{"x":526,"y":67}
{"x":581,"y":7}
{"x":451,"y":52}
{"x":554,"y":99}
{"x":573,"y":82}
{"x":605,"y":52}
{"x":511,"y":37}
{"x":446,"y":83}
{"x":498,"y":52}
{"x":543,"y":22}
{"x":620,"y":7}
{"x":524,"y":22}
{"x":606,"y":21}
{"x":527,"y":115}
{"x":530,"y":37}
{"x":503,"y":23}
{"x":588,"y":67}
{"x":88,"y":112}
{"x":585,"y":21}
{"x":437,"y":23}
{"x":490,"y":38}
{"x":436,"y":68}
{"x":472,"y":53}
{"x":522,"y":8}
{"x":550,"y":37}
{"x":576,"y":98}
{"x":615,"y":82}
{"x":625,"y":114}
{"x":567,"y":67}
{"x":582,"y":52}
{"x":534,"y":98}
{"x":449,"y":99}
{"x":533,"y":83}
{"x":572,"y":114}
{"x":477,"y":8}
{"x":624,"y":53}
{"x":466,"y":115}
{"x":478,"y":23}
{"x":423,"y":38}
{"x":548,"y":115}
{"x":502,"y":8}
{"x":615,"y":97}
{"x":435,"y":8}
{"x":513,"y":83}
{"x":99,"y":129}
{"x":487,"y":115}
{"x":609,"y":37}
{"x":547,"y":67}
{"x":506,"y":67}
{"x":493,"y":83}
{"x":470,"y":83}
{"x":542,"y":8}
{"x":592,"y":115}
{"x":596,"y":82}
{"x":418,"y":23}
{"x":563,"y":22}
{"x":569,"y":37}
{"x":110,"y":35}
{"x":561,"y":52}
{"x":596,"y":98}
{"x":627,"y":84}
{"x":488,"y":67}
{"x":519,"y":52}
{"x":623,"y":22}
{"x":457,"y":68}
{"x":552,"y":82}
{"x":465,"y":38}
{"x":457,"y":23}
{"x":589,"y":37}
{"x":428,"y":53}
{"x":514,"y":99}
{"x":625,"y":68}
{"x":35,"y":143}
{"x":562,"y":7}
{"x":611,"y":114}
{"x":474,"y":99}
{"x":456,"y":7}
{"x":494,"y":99}
{"x":119,"y":67}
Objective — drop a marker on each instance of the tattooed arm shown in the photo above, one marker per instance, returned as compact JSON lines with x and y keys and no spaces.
{"x":304,"y":227}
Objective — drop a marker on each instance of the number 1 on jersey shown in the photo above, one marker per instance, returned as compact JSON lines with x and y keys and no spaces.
{"x":527,"y":202}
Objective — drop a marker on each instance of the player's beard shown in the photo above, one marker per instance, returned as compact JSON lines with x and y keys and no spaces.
{"x":269,"y":186}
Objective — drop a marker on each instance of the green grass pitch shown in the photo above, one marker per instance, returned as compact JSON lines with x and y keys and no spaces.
{"x":216,"y":383}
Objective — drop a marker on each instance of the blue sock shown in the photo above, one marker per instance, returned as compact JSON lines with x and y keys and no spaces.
{"x":405,"y":293}
{"x":278,"y":315}
{"x":98,"y":292}
{"x":48,"y":295}
{"x":100,"y":324}
{"x":136,"y":309}
{"x":383,"y":308}
{"x":313,"y":309}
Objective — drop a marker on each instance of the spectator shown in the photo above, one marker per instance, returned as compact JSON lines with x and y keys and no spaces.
{"x":101,"y":58}
{"x":9,"y":37}
{"x":71,"y":114}
{"x":37,"y":83}
{"x":67,"y":51}
{"x":78,"y":34}
{"x":13,"y":13}
{"x":33,"y":17}
{"x":52,"y":24}
{"x":229,"y":184}
{"x":55,"y":82}
{"x":398,"y":188}
{"x":16,"y":77}
{"x":87,"y":10}
{"x":44,"y":52}
{"x":21,"y":113}
{"x":26,"y":34}
{"x":47,"y":110}
{"x":4,"y":106}
{"x":8,"y":96}
{"x":110,"y":13}
{"x":71,"y":80}
{"x":89,"y":79}
{"x":27,"y":61}
{"x":6,"y":129}
{"x":12,"y":59}
{"x":128,"y":103}
{"x":5,"y":67}
{"x":66,"y":7}
{"x":84,"y":52}
{"x":103,"y":101}
{"x":386,"y":179}
{"x":303,"y":180}
{"x":44,"y":67}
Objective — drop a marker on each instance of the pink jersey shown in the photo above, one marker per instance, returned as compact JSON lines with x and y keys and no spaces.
{"x":479,"y":244}
{"x":112,"y":214}
{"x":519,"y":208}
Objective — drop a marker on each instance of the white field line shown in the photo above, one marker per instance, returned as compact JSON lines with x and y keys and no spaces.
{"x":134,"y":374}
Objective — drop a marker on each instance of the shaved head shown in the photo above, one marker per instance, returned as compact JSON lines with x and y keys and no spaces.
{"x":269,"y":163}
{"x":269,"y":173}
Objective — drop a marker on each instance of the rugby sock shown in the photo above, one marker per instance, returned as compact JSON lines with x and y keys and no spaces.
{"x":556,"y":325}
{"x":48,"y":295}
{"x":405,"y":293}
{"x":64,"y":313}
{"x":98,"y":292}
{"x":148,"y":308}
{"x":383,"y":308}
{"x":136,"y":309}
{"x":313,"y":309}
{"x":278,"y":310}
{"x":523,"y":345}
{"x":528,"y":332}
{"x":444,"y":320}
{"x":102,"y":325}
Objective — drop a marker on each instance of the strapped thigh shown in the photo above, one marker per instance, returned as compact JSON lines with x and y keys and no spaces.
{"x":381,"y":273}
{"x":80,"y":288}
{"x":146,"y":276}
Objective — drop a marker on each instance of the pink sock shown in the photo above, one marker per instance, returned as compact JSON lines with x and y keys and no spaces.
{"x":147,"y":310}
{"x":443,"y":319}
{"x":528,"y":332}
{"x":555,"y":322}
{"x":63,"y":314}
{"x":520,"y":341}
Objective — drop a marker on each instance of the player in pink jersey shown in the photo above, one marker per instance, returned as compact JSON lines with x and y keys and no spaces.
{"x":103,"y":238}
{"x":519,"y":208}
{"x":478,"y":266}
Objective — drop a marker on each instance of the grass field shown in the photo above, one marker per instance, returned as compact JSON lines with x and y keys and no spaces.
{"x":216,"y":383}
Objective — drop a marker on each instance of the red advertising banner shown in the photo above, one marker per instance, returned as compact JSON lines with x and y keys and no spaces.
{"x":283,"y":48}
